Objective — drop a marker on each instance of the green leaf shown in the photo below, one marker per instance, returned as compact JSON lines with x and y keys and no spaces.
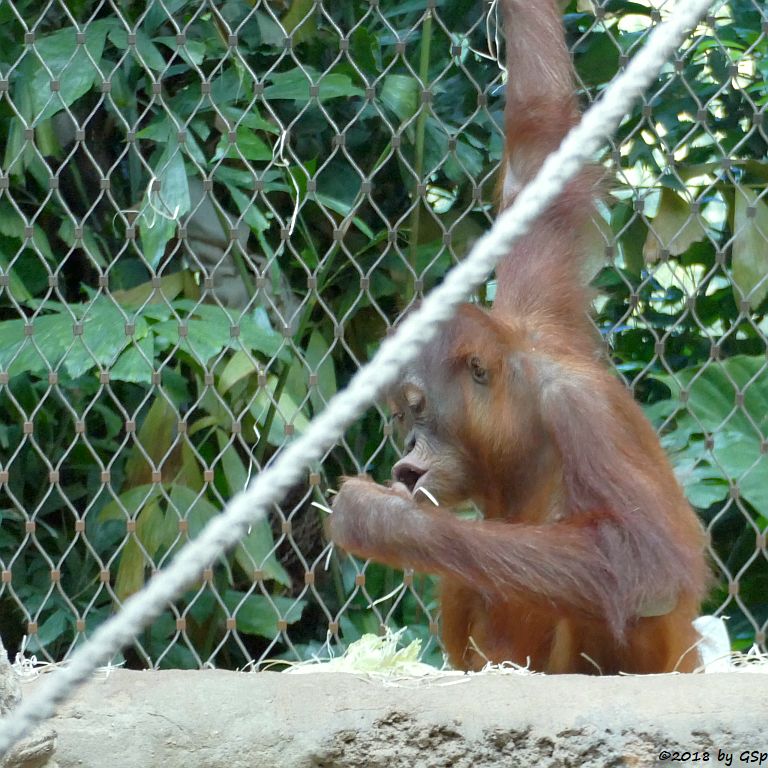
{"x":704,"y":494}
{"x":287,"y":413}
{"x":256,"y":552}
{"x":12,"y":225}
{"x":703,"y":487}
{"x":674,"y":228}
{"x":320,"y":362}
{"x":243,"y":179}
{"x":192,"y":52}
{"x":193,"y":507}
{"x":750,"y":247}
{"x":173,"y":196}
{"x":156,"y":528}
{"x":258,"y":615}
{"x":18,"y":153}
{"x":204,"y":338}
{"x":743,"y":462}
{"x":170,"y":286}
{"x":59,"y":57}
{"x":295,"y":85}
{"x":148,"y":52}
{"x":600,"y":61}
{"x":156,"y":438}
{"x":712,"y":394}
{"x":239,"y":367}
{"x":365,"y":49}
{"x":249,"y":118}
{"x":131,"y":568}
{"x":299,"y":22}
{"x":235,"y":472}
{"x":247,"y":145}
{"x":156,"y":232}
{"x":159,"y":129}
{"x":87,"y":242}
{"x":632,"y":241}
{"x":712,"y":407}
{"x":344,"y":209}
{"x":249,"y":210}
{"x":129,"y":502}
{"x":465,"y":164}
{"x":162,"y":208}
{"x":42,"y":351}
{"x":130,"y":572}
{"x":256,"y":334}
{"x":56,"y":625}
{"x":16,"y":286}
{"x":136,"y":363}
{"x":102,"y":339}
{"x":400,"y":94}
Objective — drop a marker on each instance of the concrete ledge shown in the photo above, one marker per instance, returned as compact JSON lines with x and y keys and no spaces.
{"x":217,"y":719}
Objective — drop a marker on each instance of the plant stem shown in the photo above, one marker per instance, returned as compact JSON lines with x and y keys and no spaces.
{"x":421,"y":127}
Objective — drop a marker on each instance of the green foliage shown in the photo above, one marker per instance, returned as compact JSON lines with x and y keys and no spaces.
{"x":684,"y":304}
{"x":714,"y":427}
{"x":137,"y":396}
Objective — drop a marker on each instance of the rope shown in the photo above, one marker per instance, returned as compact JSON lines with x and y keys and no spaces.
{"x":224,"y":531}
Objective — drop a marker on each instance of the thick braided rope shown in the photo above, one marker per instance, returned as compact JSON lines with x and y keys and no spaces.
{"x":224,"y":531}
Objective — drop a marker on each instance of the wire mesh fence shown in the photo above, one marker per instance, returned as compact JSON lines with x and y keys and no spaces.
{"x":210,"y":213}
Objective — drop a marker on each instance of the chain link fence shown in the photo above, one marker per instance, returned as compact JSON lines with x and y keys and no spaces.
{"x":210,"y":213}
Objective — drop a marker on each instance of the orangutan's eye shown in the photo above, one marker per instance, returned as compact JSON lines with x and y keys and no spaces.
{"x":479,"y":373}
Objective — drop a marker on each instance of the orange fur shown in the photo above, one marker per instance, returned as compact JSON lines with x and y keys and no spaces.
{"x":589,"y":558}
